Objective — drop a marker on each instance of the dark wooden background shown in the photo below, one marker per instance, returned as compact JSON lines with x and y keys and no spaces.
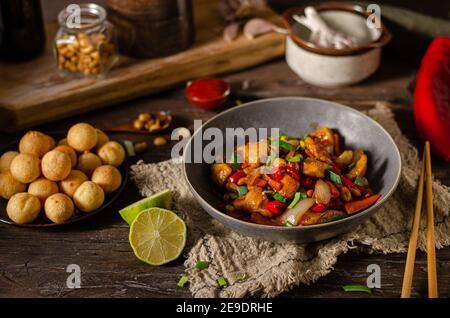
{"x":33,"y":262}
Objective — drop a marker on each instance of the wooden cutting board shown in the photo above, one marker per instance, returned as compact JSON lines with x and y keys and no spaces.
{"x":32,"y":93}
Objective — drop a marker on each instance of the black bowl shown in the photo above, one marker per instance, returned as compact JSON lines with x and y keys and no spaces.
{"x":42,"y":221}
{"x":297,"y":116}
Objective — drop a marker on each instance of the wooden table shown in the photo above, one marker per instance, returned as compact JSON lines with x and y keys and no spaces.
{"x":34,"y":262}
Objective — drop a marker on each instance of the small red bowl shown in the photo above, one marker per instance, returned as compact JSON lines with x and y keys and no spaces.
{"x":208,"y":92}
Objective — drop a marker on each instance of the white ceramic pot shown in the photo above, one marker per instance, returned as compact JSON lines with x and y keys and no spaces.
{"x":328,"y":70}
{"x":332,"y":67}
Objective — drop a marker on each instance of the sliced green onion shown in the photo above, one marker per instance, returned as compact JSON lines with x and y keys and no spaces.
{"x":334,"y":177}
{"x":202,"y":265}
{"x":242,"y":190}
{"x":233,"y":196}
{"x":361,"y":181}
{"x":183,"y":280}
{"x":286,"y":145}
{"x":271,"y":158}
{"x":222,"y":281}
{"x":302,"y":144}
{"x":240,"y":278}
{"x":279,"y":197}
{"x":305,"y":136}
{"x":235,"y":161}
{"x":297,"y":158}
{"x":295,"y":200}
{"x":288,"y":224}
{"x":229,"y":207}
{"x":130,"y":148}
{"x":356,"y":288}
{"x":350,"y":166}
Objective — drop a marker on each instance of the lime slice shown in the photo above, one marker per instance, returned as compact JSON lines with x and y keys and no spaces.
{"x":157,"y":236}
{"x":162,"y":199}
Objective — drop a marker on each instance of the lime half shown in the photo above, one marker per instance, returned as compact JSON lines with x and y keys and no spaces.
{"x":162,"y":199}
{"x":157,"y":236}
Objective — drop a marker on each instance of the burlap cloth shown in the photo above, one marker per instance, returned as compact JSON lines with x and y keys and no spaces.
{"x":266,"y":269}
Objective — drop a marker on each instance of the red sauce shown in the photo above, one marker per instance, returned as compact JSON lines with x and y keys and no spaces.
{"x":208,"y":92}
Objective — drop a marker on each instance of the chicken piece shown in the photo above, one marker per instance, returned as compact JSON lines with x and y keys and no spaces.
{"x":345,"y":193}
{"x":330,"y":215}
{"x":220,"y":173}
{"x":253,"y":201}
{"x":254,"y":153}
{"x":259,"y":219}
{"x":288,"y":186}
{"x":310,"y":218}
{"x":359,"y":169}
{"x":326,"y":137}
{"x":346,"y":157}
{"x":317,"y":150}
{"x":315,"y":168}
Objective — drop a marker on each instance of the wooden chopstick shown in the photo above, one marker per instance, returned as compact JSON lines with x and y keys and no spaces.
{"x":431,"y":242}
{"x":412,"y":247}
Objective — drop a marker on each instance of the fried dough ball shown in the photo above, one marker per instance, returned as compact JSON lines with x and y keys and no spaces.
{"x":23,"y":208}
{"x":36,"y":143}
{"x":42,"y":189}
{"x":107,"y":177}
{"x":102,"y":138}
{"x":69,"y":151}
{"x":56,"y":165}
{"x":59,"y":208}
{"x":70,"y":184}
{"x":87,"y":163}
{"x":10,"y":186}
{"x":82,"y":137}
{"x":112,"y":153}
{"x":89,"y":196}
{"x":25,"y":168}
{"x":5,"y":160}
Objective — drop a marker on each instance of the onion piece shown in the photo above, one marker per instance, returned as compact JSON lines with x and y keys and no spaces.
{"x":322,"y":192}
{"x":295,"y":214}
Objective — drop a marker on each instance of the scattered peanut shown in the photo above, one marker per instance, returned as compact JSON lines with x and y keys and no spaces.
{"x":140,"y":146}
{"x":144,"y":117}
{"x":159,"y":141}
{"x":139,"y":124}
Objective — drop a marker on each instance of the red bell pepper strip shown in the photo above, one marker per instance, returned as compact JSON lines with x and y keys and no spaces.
{"x":318,"y":208}
{"x":294,"y":174}
{"x":236,"y":176}
{"x":337,"y":145}
{"x":308,"y":182}
{"x":353,"y":185}
{"x":356,"y":206}
{"x":275,"y":207}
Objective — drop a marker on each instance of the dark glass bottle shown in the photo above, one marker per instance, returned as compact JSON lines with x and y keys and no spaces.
{"x":22,"y":34}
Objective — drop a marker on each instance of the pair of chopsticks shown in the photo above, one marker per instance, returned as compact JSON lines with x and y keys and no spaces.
{"x":425,"y":172}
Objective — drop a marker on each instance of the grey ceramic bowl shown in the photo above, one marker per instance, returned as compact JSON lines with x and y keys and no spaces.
{"x":297,"y":116}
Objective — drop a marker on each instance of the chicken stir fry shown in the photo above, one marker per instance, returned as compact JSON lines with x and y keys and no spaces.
{"x":297,"y":182}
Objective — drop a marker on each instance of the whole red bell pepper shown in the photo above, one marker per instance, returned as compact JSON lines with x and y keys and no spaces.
{"x":432,"y":97}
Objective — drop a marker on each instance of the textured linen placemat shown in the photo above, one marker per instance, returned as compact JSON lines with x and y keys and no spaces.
{"x":266,"y":269}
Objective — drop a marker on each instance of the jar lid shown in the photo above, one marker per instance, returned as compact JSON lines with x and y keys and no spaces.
{"x":82,"y":16}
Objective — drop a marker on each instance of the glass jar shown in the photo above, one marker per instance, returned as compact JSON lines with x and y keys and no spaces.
{"x":85,"y":44}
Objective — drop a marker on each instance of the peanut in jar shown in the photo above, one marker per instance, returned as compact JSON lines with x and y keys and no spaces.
{"x":87,"y":48}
